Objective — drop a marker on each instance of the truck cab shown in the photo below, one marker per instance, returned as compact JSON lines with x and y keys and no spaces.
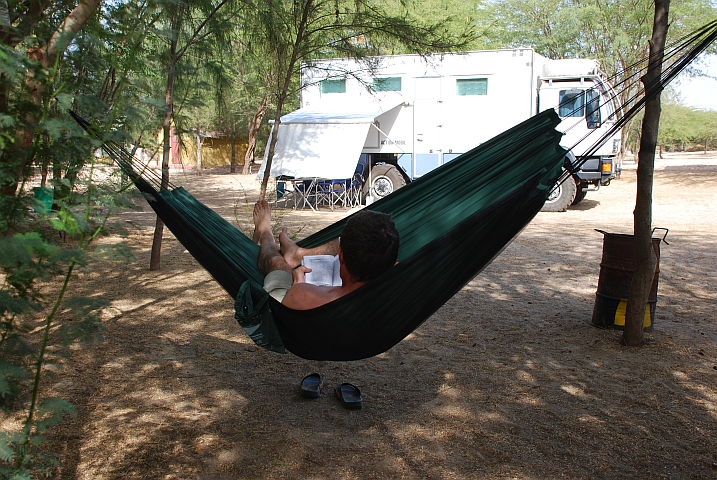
{"x":585,"y":102}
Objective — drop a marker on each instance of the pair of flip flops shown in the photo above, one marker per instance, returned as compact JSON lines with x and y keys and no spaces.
{"x":348,"y":394}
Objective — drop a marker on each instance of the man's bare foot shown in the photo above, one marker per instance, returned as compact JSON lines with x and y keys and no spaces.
{"x":291,"y":251}
{"x":262,"y":220}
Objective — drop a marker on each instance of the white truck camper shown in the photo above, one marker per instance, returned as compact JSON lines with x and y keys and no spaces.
{"x":405,"y":115}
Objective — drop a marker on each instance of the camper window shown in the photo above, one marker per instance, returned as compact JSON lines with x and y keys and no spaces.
{"x":333,"y":86}
{"x":388,"y":84}
{"x":572,"y":103}
{"x":471,"y":86}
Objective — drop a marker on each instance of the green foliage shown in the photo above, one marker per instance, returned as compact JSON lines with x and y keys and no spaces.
{"x":614,"y":32}
{"x":27,"y":260}
{"x":24,"y":259}
{"x":101,"y":75}
{"x":285,"y":33}
{"x":686,"y":128}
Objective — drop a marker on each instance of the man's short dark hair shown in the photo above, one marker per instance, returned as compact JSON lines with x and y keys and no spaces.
{"x":369,"y":243}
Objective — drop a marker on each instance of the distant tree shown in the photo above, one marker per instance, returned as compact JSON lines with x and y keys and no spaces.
{"x":188,"y":27}
{"x":677,"y":125}
{"x":253,"y":127}
{"x":291,"y":31}
{"x":683,"y":127}
{"x":614,"y":32}
{"x":707,"y":130}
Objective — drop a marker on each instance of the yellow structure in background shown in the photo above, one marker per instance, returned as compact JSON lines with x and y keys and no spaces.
{"x":216,"y":151}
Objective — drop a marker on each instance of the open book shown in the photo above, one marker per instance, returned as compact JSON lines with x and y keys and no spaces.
{"x":324,"y":270}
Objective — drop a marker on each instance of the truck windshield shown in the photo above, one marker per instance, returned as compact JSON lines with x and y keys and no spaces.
{"x":572,"y":103}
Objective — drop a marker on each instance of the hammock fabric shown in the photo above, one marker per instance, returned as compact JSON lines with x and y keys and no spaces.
{"x":452,"y":223}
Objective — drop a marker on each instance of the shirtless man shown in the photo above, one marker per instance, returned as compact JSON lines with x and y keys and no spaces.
{"x":368,"y":247}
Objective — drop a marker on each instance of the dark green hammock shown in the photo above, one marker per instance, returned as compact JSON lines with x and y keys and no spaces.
{"x":452,"y":222}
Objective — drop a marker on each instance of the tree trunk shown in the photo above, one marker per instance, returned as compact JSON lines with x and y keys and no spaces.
{"x":200,"y":140}
{"x":4,"y":16}
{"x":254,"y":125}
{"x":298,"y":42}
{"x":270,"y":154}
{"x":154,"y":261}
{"x":646,"y":259}
{"x":48,"y":56}
{"x":175,"y":55}
{"x":233,"y":167}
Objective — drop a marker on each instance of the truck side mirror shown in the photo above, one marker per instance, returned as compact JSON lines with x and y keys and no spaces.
{"x":592,"y":110}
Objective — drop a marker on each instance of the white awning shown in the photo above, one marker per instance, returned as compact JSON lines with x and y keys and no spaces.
{"x":322,"y":143}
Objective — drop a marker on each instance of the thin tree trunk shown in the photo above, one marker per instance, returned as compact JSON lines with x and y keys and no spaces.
{"x":154,"y":261}
{"x":270,"y":154}
{"x":4,"y":15}
{"x":282,"y":95}
{"x":254,"y":125}
{"x":200,"y":140}
{"x":175,"y":55}
{"x":646,"y":259}
{"x":233,"y":167}
{"x":45,"y":167}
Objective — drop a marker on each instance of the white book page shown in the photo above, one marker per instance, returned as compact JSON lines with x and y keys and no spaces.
{"x":324,"y":270}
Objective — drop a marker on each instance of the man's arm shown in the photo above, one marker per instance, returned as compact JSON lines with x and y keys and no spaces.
{"x":305,"y":296}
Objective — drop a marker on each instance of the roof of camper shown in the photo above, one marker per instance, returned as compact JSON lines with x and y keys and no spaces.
{"x":571,"y":67}
{"x":427,"y":55}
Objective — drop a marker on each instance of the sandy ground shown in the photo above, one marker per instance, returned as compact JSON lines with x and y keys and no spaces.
{"x":507,"y":380}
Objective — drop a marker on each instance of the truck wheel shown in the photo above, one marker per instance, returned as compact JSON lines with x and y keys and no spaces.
{"x":580,"y":194}
{"x":385,"y":178}
{"x":561,"y":197}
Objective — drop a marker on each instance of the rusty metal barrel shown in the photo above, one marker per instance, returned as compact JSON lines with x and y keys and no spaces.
{"x":618,"y":265}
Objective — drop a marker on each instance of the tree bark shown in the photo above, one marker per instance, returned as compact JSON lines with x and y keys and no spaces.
{"x":200,"y":140}
{"x":70,"y":26}
{"x":233,"y":163}
{"x":646,"y":259}
{"x":254,"y":125}
{"x":4,"y":16}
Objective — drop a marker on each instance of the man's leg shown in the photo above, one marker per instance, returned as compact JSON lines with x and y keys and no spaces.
{"x":294,"y":254}
{"x":270,"y":259}
{"x":277,"y":273}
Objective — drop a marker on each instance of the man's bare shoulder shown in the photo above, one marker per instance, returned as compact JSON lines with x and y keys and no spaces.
{"x":305,"y":296}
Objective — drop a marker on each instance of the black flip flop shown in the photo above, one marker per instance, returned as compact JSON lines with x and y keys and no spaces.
{"x":311,"y":386}
{"x":349,"y":395}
